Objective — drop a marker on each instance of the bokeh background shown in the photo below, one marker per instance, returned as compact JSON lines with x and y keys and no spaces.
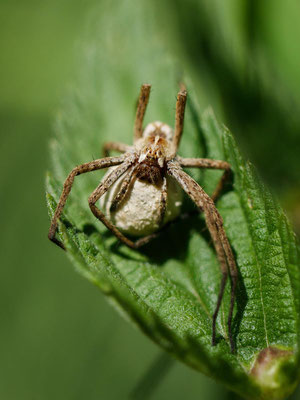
{"x":59,"y":339}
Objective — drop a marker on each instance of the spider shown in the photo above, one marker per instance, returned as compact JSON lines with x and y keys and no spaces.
{"x":148,"y":176}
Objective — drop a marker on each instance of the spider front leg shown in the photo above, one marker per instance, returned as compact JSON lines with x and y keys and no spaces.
{"x":223,"y":249}
{"x":211,"y":164}
{"x":179,"y":119}
{"x":81,"y":169}
{"x":141,"y":109}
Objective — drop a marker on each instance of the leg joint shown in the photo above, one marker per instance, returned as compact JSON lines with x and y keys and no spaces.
{"x":91,"y":201}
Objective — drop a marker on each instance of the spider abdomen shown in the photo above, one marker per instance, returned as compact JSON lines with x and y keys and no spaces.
{"x":139,"y":213}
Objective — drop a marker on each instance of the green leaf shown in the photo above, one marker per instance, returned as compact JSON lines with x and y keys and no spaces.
{"x":169,"y":288}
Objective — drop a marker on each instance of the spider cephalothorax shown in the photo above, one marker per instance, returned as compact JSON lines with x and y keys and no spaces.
{"x":143,"y":191}
{"x":155,"y":146}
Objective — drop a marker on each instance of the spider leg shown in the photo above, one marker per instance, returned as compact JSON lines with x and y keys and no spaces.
{"x":141,"y":109}
{"x":123,"y":190}
{"x":115,"y":146}
{"x":164,"y":198}
{"x":234,"y":278}
{"x":219,"y":189}
{"x":81,"y":169}
{"x":212,"y":164}
{"x":215,"y":225}
{"x":179,"y":118}
{"x":103,"y":188}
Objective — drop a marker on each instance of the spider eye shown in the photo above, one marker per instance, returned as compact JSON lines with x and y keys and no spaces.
{"x":160,"y":129}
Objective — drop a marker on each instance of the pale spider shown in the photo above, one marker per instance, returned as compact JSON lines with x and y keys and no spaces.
{"x":146,"y":173}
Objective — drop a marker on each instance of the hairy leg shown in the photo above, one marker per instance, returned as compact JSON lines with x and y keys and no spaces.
{"x":163,"y":203}
{"x":141,"y":109}
{"x":123,"y":190}
{"x":215,"y":225}
{"x":211,"y":164}
{"x":81,"y":169}
{"x":115,"y":146}
{"x":179,"y":118}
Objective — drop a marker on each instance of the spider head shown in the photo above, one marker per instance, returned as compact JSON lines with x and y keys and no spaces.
{"x":160,"y":129}
{"x":155,"y":144}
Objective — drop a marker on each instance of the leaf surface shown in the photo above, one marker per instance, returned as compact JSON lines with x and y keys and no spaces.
{"x":169,"y":288}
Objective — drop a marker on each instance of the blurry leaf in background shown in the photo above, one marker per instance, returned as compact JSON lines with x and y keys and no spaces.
{"x":37,"y":51}
{"x":170,"y":294}
{"x":244,"y":57}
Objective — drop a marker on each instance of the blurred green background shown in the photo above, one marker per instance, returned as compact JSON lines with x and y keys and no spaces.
{"x":59,"y":338}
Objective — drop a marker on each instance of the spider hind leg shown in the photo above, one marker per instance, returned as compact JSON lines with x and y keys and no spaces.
{"x":223,"y":249}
